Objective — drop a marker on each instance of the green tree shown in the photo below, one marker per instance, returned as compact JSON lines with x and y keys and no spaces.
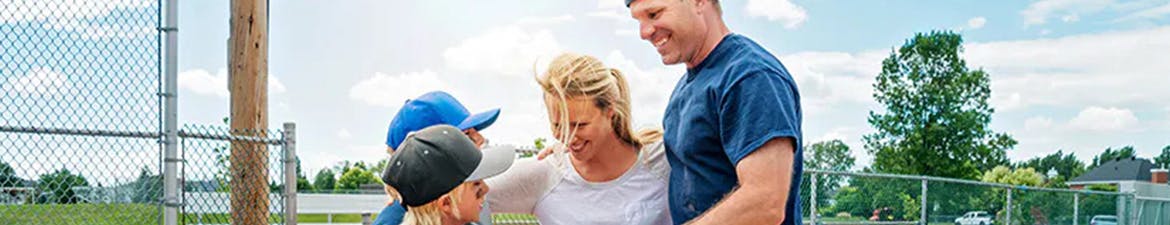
{"x":8,"y":176}
{"x":1066,"y":166}
{"x":538,"y":143}
{"x":57,"y":187}
{"x":936,"y":114}
{"x":865,"y":195}
{"x":325,"y":180}
{"x":148,"y":188}
{"x":827,"y":155}
{"x":355,"y":177}
{"x":1110,"y":155}
{"x":1033,"y":207}
{"x":1163,"y":160}
{"x":302,"y":181}
{"x":1005,"y":175}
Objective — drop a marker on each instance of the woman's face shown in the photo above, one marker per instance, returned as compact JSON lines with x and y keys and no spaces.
{"x":590,"y":127}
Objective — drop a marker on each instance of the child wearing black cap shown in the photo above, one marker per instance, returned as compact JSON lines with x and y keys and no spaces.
{"x":439,"y":172}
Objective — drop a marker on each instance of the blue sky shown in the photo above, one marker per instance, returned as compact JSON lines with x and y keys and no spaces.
{"x":1077,"y":75}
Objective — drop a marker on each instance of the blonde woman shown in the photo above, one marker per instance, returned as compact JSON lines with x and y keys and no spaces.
{"x":606,"y":173}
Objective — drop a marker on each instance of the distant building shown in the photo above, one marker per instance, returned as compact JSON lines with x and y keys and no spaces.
{"x":1137,"y":176}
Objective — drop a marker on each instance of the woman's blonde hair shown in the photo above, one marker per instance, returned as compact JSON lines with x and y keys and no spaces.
{"x":429,"y":214}
{"x":572,"y":75}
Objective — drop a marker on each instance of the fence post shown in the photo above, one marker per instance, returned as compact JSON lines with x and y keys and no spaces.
{"x":923,"y":217}
{"x":290,"y":173}
{"x":1076,"y":208}
{"x":812,"y":209}
{"x":170,"y":140}
{"x":1134,"y":209}
{"x":1008,"y":220}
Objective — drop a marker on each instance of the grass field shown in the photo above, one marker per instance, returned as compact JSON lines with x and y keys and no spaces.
{"x":94,"y":214}
{"x":110,"y":214}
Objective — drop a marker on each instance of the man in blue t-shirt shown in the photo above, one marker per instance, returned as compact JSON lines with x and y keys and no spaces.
{"x":432,"y":108}
{"x":733,"y":123}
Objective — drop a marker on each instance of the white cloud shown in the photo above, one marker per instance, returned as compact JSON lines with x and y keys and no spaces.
{"x":649,"y":87}
{"x":510,"y":51}
{"x":1005,"y":101}
{"x":1123,"y":68}
{"x":632,"y":32}
{"x":1068,"y":10}
{"x":391,"y":91}
{"x":202,"y":82}
{"x":30,"y":10}
{"x":976,"y":23}
{"x":625,"y":26}
{"x":545,"y":21}
{"x":784,"y":11}
{"x":611,"y":4}
{"x":1104,"y":119}
{"x":612,"y":15}
{"x":41,"y":81}
{"x":1038,"y":123}
{"x":827,"y":79}
{"x":344,"y":134}
{"x":1150,"y":13}
{"x":77,"y":16}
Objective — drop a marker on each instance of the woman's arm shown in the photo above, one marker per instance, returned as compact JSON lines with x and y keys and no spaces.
{"x":521,"y":187}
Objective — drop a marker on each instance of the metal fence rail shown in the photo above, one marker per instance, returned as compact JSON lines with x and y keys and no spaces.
{"x":89,"y":128}
{"x":80,"y":108}
{"x":840,"y":197}
{"x":209,"y":181}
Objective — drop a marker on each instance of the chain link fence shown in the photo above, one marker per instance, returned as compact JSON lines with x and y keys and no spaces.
{"x":80,"y":112}
{"x":253,"y":183}
{"x":870,"y":198}
{"x":88,"y":132}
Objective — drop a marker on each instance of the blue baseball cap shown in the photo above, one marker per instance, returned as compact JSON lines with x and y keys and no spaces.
{"x":435,"y":108}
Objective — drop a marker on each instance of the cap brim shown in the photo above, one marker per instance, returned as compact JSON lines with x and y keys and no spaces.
{"x":495,"y":160}
{"x":480,"y":121}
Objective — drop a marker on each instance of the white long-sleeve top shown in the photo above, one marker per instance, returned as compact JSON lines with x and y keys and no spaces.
{"x":552,"y":190}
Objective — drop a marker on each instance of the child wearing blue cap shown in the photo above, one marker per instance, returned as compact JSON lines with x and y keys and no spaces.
{"x":432,"y":108}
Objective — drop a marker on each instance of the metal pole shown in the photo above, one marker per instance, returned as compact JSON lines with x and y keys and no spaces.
{"x":170,"y":94}
{"x":1135,"y":210}
{"x":1076,"y":208}
{"x":812,"y":209}
{"x":922,"y":218}
{"x":1009,"y":207}
{"x":290,"y":173}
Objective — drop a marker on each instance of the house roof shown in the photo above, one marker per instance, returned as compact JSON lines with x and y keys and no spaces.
{"x":1128,"y":169}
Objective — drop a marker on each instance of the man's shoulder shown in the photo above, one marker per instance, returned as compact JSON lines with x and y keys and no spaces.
{"x":748,"y":58}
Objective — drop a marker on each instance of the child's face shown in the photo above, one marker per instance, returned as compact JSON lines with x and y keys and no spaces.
{"x":472,"y":201}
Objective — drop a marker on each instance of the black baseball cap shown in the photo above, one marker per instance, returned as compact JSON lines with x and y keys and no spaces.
{"x":436,"y":159}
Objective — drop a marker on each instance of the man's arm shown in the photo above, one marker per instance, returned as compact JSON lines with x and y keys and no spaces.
{"x":764,"y":180}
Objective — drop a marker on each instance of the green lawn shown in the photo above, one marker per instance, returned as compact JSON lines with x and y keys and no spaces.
{"x":95,"y":214}
{"x":110,"y":214}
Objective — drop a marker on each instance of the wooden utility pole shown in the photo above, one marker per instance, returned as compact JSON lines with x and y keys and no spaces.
{"x":248,"y":49}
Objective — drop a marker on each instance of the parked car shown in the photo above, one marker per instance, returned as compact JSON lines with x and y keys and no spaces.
{"x":1103,"y":220}
{"x":975,"y":218}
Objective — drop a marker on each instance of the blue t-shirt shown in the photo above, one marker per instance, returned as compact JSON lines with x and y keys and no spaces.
{"x":729,"y":105}
{"x":391,"y":215}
